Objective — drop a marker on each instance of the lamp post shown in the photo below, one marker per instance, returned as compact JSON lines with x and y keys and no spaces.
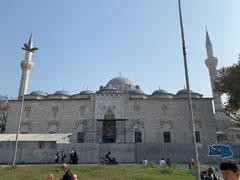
{"x":190,"y":109}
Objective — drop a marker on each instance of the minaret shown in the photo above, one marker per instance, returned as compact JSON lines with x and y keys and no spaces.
{"x":26,"y":66}
{"x":221,"y":119}
{"x":211,"y":62}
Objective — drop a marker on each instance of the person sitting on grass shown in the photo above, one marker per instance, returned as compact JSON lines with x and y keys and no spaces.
{"x":162,"y":162}
{"x":168,"y":162}
{"x":144,"y":162}
{"x":230,"y":170}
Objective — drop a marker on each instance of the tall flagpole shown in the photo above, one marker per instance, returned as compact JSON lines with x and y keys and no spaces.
{"x":26,"y":66}
{"x":190,"y":109}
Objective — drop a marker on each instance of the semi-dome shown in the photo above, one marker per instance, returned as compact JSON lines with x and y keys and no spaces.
{"x":62,"y":92}
{"x":120,"y":81}
{"x":159,"y":92}
{"x":38,"y":93}
{"x":135,"y":91}
{"x":86,"y":92}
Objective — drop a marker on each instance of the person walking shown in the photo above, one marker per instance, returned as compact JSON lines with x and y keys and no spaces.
{"x":67,"y":175}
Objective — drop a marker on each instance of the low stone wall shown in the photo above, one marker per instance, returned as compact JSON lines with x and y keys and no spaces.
{"x":87,"y":152}
{"x":124,"y":153}
{"x":27,"y":156}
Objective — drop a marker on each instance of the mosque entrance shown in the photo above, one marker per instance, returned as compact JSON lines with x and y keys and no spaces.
{"x":109,"y":131}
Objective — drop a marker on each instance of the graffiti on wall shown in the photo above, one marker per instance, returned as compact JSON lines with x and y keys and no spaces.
{"x":221,"y":150}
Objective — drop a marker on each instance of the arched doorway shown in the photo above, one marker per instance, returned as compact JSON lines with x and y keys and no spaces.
{"x":109,"y":127}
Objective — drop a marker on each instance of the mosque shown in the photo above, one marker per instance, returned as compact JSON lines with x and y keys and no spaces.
{"x":120,"y":115}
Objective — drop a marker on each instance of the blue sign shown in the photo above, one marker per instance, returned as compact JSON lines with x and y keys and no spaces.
{"x":221,"y":150}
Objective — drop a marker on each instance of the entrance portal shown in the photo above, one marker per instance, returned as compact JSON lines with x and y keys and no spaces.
{"x":109,"y":131}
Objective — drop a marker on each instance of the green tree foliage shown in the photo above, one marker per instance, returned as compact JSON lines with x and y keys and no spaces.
{"x":3,"y":98}
{"x":3,"y":112}
{"x":228,"y":82}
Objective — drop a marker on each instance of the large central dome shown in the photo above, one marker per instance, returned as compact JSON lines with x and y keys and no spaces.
{"x":120,"y":82}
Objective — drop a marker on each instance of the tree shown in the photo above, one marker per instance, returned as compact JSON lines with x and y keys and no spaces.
{"x":228,"y":82}
{"x":3,"y":98}
{"x":3,"y":112}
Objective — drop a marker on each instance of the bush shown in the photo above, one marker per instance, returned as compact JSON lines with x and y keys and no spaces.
{"x":166,"y":170}
{"x":152,"y":164}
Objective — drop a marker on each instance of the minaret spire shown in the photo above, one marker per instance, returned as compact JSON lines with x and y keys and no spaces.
{"x":209,"y":46}
{"x":30,"y":41}
{"x":208,"y":41}
{"x":26,"y":66}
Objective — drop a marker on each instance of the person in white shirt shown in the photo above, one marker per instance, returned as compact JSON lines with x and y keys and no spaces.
{"x":162,"y":162}
{"x":144,"y":162}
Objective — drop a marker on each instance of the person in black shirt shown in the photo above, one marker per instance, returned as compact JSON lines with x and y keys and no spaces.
{"x":67,"y":175}
{"x":108,"y":157}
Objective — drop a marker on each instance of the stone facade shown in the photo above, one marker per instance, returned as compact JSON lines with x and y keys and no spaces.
{"x":119,"y":115}
{"x":150,"y":116}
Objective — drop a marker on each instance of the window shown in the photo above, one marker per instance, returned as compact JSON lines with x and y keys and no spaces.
{"x":164,"y":109}
{"x":80,"y":137}
{"x":197,"y":136}
{"x":53,"y":145}
{"x":54,"y":111}
{"x":138,"y":137}
{"x":82,"y":110}
{"x":167,"y":137}
{"x":41,"y":145}
{"x":231,"y":137}
{"x":137,"y":108}
{"x":27,"y":110}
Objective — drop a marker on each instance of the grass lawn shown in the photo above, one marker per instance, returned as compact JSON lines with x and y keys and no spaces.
{"x":101,"y":172}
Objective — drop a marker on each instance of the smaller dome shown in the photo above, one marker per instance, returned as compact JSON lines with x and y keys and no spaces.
{"x":38,"y":93}
{"x":159,"y":92}
{"x":62,"y":92}
{"x":86,"y":92}
{"x":183,"y":91}
{"x":135,"y":91}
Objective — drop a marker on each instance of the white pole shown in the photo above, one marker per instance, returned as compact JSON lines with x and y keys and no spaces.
{"x":18,"y":128}
{"x":196,"y":160}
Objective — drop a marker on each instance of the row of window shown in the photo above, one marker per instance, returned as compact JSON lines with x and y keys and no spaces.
{"x":82,"y":109}
{"x":138,"y":137}
{"x":166,"y":137}
{"x":54,"y":111}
